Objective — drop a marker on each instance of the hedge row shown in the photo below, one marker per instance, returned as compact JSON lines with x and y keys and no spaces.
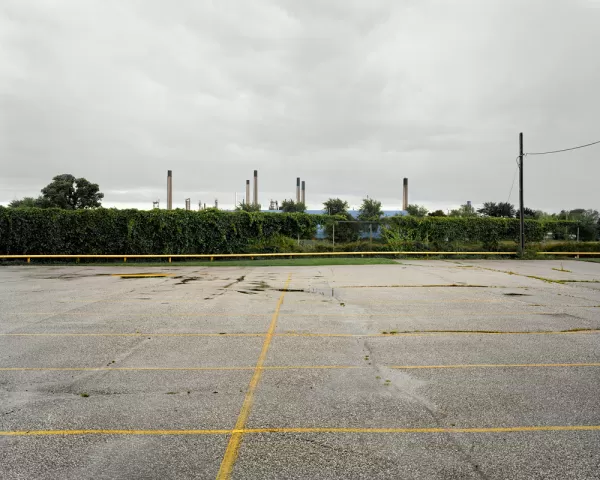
{"x":451,"y":232}
{"x":111,"y":231}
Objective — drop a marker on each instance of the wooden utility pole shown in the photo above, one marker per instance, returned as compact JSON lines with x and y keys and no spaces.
{"x":521,"y":204}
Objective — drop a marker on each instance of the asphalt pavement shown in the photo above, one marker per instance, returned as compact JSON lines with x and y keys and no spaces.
{"x":422,"y":369}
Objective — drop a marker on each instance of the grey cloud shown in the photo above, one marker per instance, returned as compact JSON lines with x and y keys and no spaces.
{"x":350,"y":95}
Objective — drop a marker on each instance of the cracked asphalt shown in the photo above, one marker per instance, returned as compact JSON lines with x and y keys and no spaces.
{"x":423,"y":369}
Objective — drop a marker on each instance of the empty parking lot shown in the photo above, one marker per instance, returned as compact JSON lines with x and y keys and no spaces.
{"x":422,"y":369}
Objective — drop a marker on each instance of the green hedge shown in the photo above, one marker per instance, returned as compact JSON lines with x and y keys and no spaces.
{"x":111,"y":231}
{"x":451,"y":233}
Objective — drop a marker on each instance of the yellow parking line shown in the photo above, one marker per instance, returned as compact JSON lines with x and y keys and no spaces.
{"x":166,"y":369}
{"x":496,"y":365}
{"x":245,"y":431}
{"x":235,"y":440}
{"x":427,"y":430}
{"x":306,"y":334}
{"x":142,"y":275}
{"x":286,"y":314}
{"x":69,"y":334}
{"x":30,"y":433}
{"x":290,"y":367}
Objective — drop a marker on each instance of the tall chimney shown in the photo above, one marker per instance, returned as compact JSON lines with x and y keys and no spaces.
{"x":405,"y":195}
{"x":298,"y":190}
{"x":255,"y":187}
{"x":187,"y":203}
{"x":304,"y":192}
{"x":169,"y":189}
{"x":247,"y":192}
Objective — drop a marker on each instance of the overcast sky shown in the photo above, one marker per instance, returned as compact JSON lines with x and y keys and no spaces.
{"x":352,"y":96}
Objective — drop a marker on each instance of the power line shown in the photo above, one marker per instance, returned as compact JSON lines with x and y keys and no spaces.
{"x":514,"y":179}
{"x":564,"y":150}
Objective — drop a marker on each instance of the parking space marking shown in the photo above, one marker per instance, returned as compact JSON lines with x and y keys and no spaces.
{"x":109,"y":334}
{"x":35,"y":433}
{"x":290,"y":314}
{"x":246,"y":431}
{"x":549,"y":428}
{"x":166,"y":369}
{"x":496,"y":365}
{"x":235,"y":440}
{"x":309,"y":334}
{"x":293,"y":367}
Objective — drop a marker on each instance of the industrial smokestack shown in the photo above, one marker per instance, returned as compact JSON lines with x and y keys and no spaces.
{"x":247,"y":192}
{"x":188,"y":203}
{"x":304,"y":192}
{"x":255,"y":187}
{"x":405,"y":195}
{"x":169,"y":189}
{"x":298,"y":190}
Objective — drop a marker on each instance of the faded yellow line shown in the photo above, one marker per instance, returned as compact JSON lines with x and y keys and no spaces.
{"x":548,"y":428}
{"x":433,"y":333}
{"x":105,"y":369}
{"x":68,"y":334}
{"x":152,"y":369}
{"x":290,"y":367}
{"x":142,"y":275}
{"x":427,"y":430}
{"x":30,"y":433}
{"x":235,"y":440}
{"x":496,"y":365}
{"x":301,"y":334}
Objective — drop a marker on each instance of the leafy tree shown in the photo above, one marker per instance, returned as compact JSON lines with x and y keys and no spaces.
{"x":344,"y":232}
{"x":588,"y":220}
{"x":70,"y":193}
{"x":336,"y":206}
{"x":437,"y":213}
{"x":417,"y":210}
{"x":502,"y":209}
{"x":27,"y":202}
{"x":289,"y":206}
{"x":530,"y":213}
{"x":370,"y":209}
{"x":247,"y":207}
{"x":465,"y":210}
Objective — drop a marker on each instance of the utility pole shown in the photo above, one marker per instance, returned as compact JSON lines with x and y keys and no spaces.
{"x":521,"y":208}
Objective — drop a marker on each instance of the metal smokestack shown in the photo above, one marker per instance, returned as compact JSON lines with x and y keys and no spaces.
{"x":298,"y":190}
{"x":405,"y":195}
{"x":304,"y":192}
{"x":255,"y":187}
{"x":169,"y":189}
{"x":247,"y":192}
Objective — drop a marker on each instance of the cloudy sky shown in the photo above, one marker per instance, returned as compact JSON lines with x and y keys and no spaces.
{"x":352,"y":96}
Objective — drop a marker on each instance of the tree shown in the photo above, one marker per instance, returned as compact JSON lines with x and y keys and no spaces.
{"x":26,"y":202}
{"x":416,"y":210}
{"x":335,"y":206}
{"x":530,"y":213}
{"x":247,"y":207}
{"x":289,"y":206}
{"x":437,"y":213}
{"x":465,"y":210}
{"x":588,"y":222}
{"x":370,"y":210}
{"x":70,"y":193}
{"x":502,"y":209}
{"x":344,"y":232}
